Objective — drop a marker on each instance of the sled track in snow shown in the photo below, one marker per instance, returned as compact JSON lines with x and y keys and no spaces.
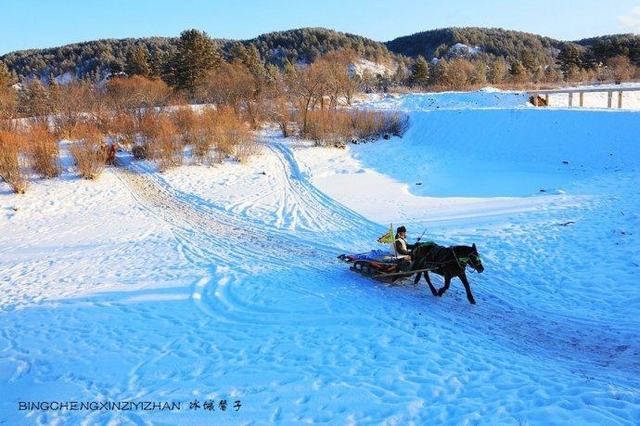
{"x":297,"y":204}
{"x":232,"y":249}
{"x":317,"y":207}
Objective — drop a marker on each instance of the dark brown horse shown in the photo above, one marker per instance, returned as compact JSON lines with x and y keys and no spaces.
{"x":448,"y":262}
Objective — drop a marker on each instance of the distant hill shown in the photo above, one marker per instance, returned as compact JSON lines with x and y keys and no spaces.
{"x":605,"y":47}
{"x":94,"y":59}
{"x":510,"y":44}
{"x":307,"y":44}
{"x":490,"y":41}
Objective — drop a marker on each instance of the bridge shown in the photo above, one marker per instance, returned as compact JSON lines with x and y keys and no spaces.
{"x":610,"y":90}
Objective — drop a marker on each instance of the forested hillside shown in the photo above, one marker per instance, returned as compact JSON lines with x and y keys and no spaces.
{"x":496,"y":42}
{"x":94,"y":59}
{"x":449,"y":58}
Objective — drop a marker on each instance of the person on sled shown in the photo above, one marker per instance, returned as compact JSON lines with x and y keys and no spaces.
{"x":403,"y":249}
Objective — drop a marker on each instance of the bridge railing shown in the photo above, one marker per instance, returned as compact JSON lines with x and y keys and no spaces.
{"x":580,"y":92}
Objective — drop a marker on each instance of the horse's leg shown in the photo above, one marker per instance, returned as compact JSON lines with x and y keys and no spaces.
{"x":447,"y":283}
{"x":428,"y":280}
{"x":463,"y":278}
{"x":417,"y":278}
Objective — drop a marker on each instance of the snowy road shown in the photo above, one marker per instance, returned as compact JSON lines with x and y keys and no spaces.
{"x":221,"y":283}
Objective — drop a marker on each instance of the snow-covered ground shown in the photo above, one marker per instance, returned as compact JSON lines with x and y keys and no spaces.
{"x":210,"y":283}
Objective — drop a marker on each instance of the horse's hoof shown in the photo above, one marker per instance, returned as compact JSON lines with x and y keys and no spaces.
{"x":473,"y":302}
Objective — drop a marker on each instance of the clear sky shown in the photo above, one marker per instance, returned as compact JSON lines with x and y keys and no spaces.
{"x":28,"y":24}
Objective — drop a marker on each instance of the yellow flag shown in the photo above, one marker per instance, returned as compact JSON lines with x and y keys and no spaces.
{"x":387,"y":238}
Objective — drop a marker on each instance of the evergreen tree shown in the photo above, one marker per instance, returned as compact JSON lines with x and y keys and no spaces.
{"x":196,"y":55}
{"x":519,"y":73}
{"x":289,"y":69}
{"x":400,"y":76}
{"x":440,"y":74}
{"x":479,"y":75}
{"x":138,"y":62}
{"x":6,"y":77}
{"x":420,"y":72}
{"x":8,"y":96}
{"x":250,"y":57}
{"x":498,"y":71}
{"x":570,"y":59}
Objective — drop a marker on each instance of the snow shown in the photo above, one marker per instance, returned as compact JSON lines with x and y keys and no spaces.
{"x":221,"y":282}
{"x":364,"y":65}
{"x":461,"y":49}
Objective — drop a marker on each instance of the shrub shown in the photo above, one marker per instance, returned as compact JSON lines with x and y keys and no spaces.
{"x":145,"y":128}
{"x":232,"y":135}
{"x":367,"y":124}
{"x":188,"y":123}
{"x":89,"y":151}
{"x":70,"y":103}
{"x":140,"y":151}
{"x":136,"y":93}
{"x":204,"y":137}
{"x":122,"y":127}
{"x":10,"y":167}
{"x":328,"y":127}
{"x":164,"y":144}
{"x":396,"y":123}
{"x":335,"y":127}
{"x":43,"y":150}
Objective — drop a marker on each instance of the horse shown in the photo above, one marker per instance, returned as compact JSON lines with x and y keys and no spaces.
{"x":448,"y":262}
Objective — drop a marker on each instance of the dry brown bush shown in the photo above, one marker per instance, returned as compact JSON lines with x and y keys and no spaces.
{"x":89,"y":151}
{"x":123,"y":128}
{"x":43,"y":150}
{"x":232,"y":135}
{"x":367,"y":124}
{"x":164,"y":142}
{"x":71,"y":104}
{"x":328,"y":127}
{"x":188,"y":123}
{"x":11,"y":171}
{"x":335,"y":127}
{"x":145,"y":128}
{"x":204,"y":137}
{"x":136,"y":94}
{"x":370,"y":125}
{"x":141,"y":151}
{"x":397,"y":123}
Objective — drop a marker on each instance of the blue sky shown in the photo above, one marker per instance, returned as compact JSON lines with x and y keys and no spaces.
{"x":46,"y":23}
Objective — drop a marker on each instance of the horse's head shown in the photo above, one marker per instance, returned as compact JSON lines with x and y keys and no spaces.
{"x":474,"y":259}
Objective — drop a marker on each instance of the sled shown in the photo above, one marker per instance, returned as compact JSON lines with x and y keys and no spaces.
{"x":385,"y":268}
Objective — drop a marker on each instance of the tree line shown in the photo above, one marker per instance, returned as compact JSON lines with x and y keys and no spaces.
{"x":529,"y":57}
{"x":96,"y":59}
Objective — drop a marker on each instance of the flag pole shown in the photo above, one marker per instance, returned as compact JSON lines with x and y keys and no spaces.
{"x":393,"y":237}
